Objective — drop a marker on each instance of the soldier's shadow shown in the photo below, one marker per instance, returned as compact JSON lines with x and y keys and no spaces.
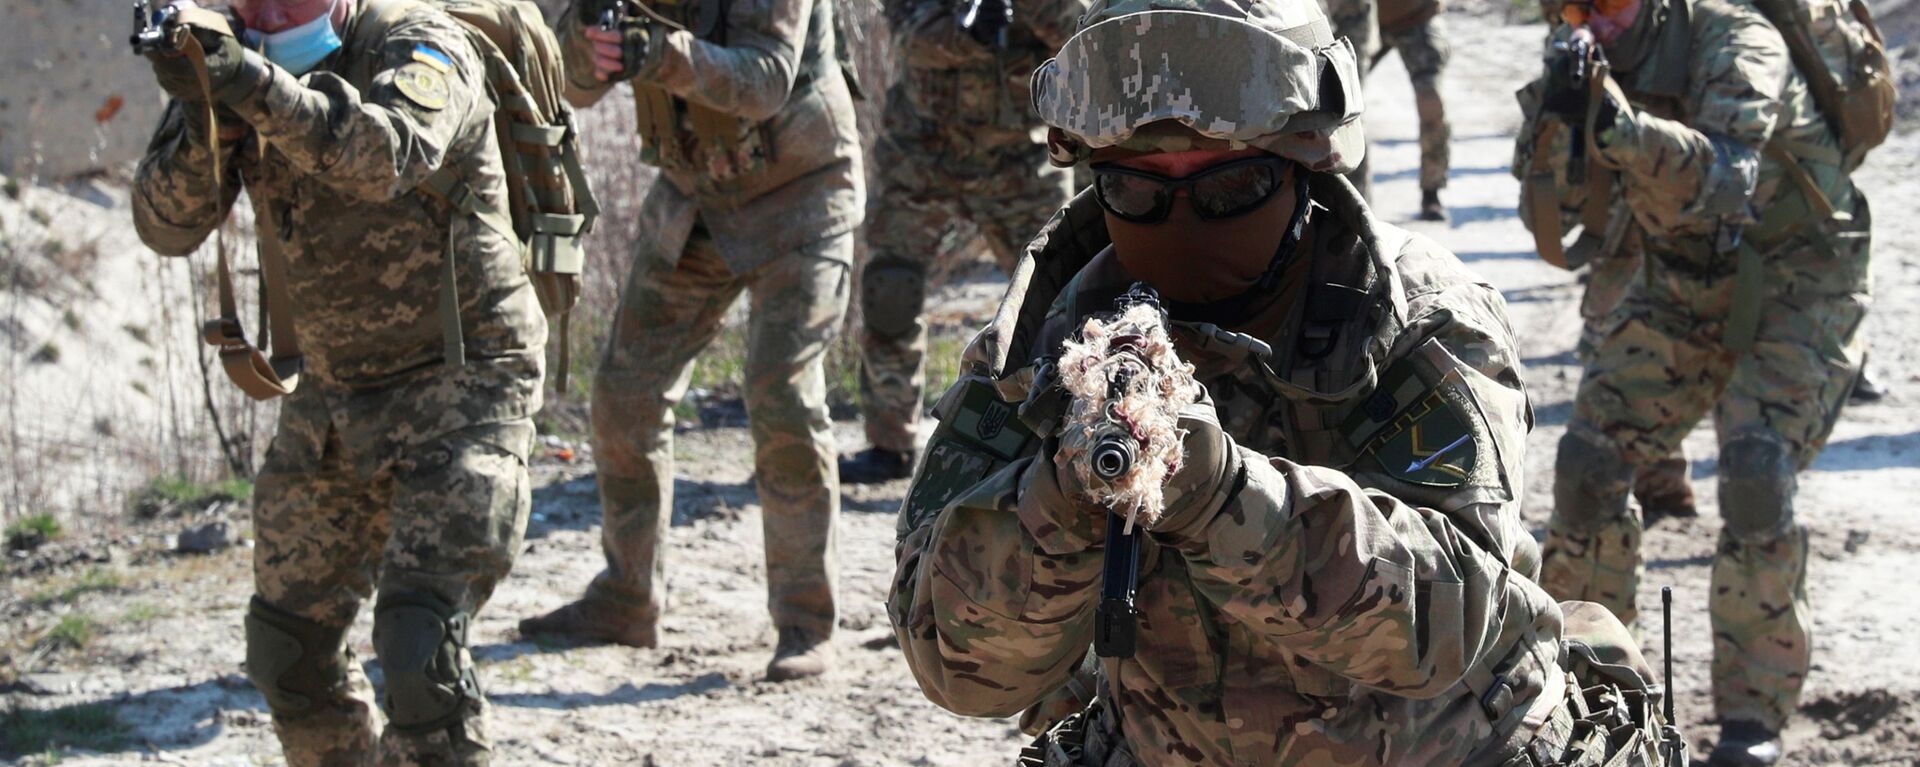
{"x":624,"y":695}
{"x":575,"y":504}
{"x":169,"y":719}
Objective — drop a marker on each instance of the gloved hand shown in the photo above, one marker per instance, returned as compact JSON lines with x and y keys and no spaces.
{"x":233,"y":72}
{"x":174,"y":72}
{"x":1190,"y":493}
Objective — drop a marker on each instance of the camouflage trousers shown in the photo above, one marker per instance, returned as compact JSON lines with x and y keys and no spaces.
{"x":1663,"y":484}
{"x":1424,"y":50}
{"x":436,"y":523}
{"x":1658,"y":369}
{"x":669,"y":312}
{"x":1006,"y":192}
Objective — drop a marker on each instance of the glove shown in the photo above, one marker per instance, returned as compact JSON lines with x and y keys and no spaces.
{"x":1190,"y":494}
{"x":174,"y":72}
{"x":233,"y":72}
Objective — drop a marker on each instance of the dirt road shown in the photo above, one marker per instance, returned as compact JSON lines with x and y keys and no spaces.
{"x":168,"y":650}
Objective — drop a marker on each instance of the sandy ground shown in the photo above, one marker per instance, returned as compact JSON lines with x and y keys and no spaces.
{"x":169,"y":656}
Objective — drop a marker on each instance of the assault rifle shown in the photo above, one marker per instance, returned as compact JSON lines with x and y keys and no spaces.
{"x":155,"y":30}
{"x":987,"y":21}
{"x":1572,"y":64}
{"x":1128,"y":388}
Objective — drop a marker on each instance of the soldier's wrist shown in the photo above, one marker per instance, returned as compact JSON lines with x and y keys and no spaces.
{"x":1216,"y":480}
{"x":249,"y":79}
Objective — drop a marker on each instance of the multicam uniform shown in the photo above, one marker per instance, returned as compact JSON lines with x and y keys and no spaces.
{"x":1418,"y":30}
{"x":1363,"y":596}
{"x":1339,"y":573}
{"x":1662,"y":486}
{"x":752,"y":126}
{"x":389,"y":468}
{"x":958,"y":146}
{"x":1716,"y":114}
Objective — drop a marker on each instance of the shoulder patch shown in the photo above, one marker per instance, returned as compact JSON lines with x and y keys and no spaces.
{"x":432,"y":58}
{"x":422,"y":84}
{"x":981,"y":435}
{"x":1435,"y":440}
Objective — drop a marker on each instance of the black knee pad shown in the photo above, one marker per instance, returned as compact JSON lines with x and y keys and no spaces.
{"x":293,"y":661}
{"x":1756,"y":487}
{"x":892,"y":294}
{"x":1590,"y":484}
{"x":421,"y":642}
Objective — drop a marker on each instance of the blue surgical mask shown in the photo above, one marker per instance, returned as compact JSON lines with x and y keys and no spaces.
{"x":300,"y":48}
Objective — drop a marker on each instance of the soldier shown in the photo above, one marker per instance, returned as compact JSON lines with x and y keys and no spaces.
{"x":958,"y":146}
{"x":1418,"y":30}
{"x":745,"y":110}
{"x":1339,"y":574}
{"x":394,"y":465}
{"x":1357,"y":22}
{"x":1661,"y":486}
{"x":1748,"y":307}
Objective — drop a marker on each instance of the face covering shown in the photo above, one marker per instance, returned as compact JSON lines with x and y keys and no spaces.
{"x":1274,"y":229}
{"x":1627,"y":52}
{"x":299,"y":49}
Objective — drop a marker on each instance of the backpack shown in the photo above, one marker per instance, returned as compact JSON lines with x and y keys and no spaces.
{"x":1837,"y":47}
{"x":550,"y":205}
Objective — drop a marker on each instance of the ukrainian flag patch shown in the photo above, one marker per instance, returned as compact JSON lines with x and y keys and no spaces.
{"x":439,"y":61}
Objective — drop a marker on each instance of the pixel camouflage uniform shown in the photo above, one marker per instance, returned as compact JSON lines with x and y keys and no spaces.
{"x":388,"y":468}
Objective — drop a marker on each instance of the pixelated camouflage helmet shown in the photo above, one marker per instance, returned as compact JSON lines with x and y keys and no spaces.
{"x":1201,"y":73}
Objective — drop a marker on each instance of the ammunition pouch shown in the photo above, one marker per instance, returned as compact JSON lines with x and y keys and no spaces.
{"x":1611,"y":714}
{"x":1090,"y":738}
{"x":293,"y":661}
{"x":422,"y":643}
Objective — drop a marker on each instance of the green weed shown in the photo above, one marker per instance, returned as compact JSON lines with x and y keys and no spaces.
{"x":30,"y":531}
{"x":73,"y":632}
{"x":144,"y":612}
{"x":92,"y":581}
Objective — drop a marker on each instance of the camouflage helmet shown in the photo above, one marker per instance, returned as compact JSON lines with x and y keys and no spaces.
{"x":1232,"y":73}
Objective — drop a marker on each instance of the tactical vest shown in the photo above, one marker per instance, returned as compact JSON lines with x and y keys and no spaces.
{"x":681,"y":135}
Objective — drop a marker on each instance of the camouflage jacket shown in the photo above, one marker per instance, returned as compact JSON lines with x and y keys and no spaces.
{"x":335,"y":160}
{"x":1713,"y":107}
{"x":777,"y":74}
{"x":1363,"y":598}
{"x":959,"y":96}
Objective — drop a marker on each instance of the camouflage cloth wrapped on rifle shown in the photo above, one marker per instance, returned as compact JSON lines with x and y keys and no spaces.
{"x":1754,"y":284}
{"x":390,"y":468}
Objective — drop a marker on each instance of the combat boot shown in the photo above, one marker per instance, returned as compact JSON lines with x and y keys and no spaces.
{"x":798,"y":655}
{"x":874,"y":465}
{"x":1745,"y":744}
{"x":1430,"y":207}
{"x":595,"y":620}
{"x":1866,"y":390}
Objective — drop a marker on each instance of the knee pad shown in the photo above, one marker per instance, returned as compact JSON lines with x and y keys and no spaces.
{"x":1756,"y":487}
{"x":891,"y":296}
{"x":1590,"y":483}
{"x":422,"y":644}
{"x":293,"y":661}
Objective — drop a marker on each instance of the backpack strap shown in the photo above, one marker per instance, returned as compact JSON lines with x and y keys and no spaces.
{"x":446,"y":184}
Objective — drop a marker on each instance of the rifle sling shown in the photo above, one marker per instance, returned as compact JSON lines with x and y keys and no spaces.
{"x":1543,"y":200}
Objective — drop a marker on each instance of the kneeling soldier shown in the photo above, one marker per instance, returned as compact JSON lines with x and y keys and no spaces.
{"x":1338,"y":572}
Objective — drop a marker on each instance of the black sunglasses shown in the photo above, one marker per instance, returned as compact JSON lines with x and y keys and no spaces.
{"x":1222,"y":191}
